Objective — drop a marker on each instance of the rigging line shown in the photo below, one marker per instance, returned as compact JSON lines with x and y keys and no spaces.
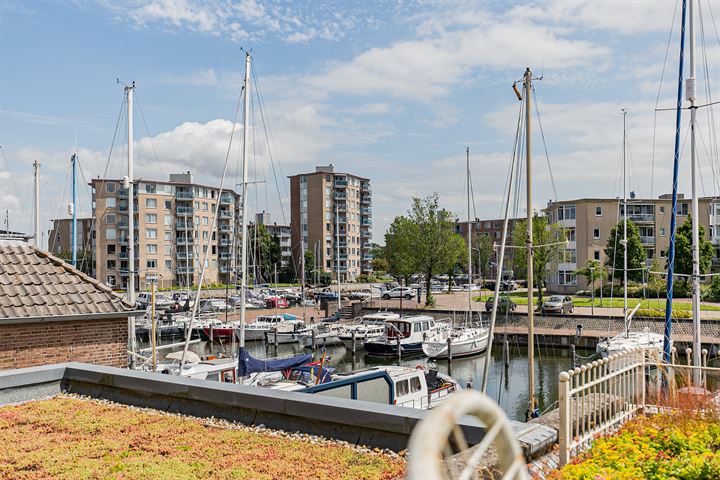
{"x":712,"y":167}
{"x":542,"y":135}
{"x":267,"y":140}
{"x":657,"y":99}
{"x":514,"y":152}
{"x":708,"y":92}
{"x":147,"y":131}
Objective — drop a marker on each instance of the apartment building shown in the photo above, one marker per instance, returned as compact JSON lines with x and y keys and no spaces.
{"x":331,"y":215}
{"x":280,"y":231}
{"x":173,"y":232}
{"x":588,"y":222}
{"x":492,"y":229}
{"x":60,"y":237}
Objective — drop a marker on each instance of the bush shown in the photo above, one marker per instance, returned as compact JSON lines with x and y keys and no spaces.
{"x":657,"y":313}
{"x":712,"y":293}
{"x":367,"y":279}
{"x":681,"y":289}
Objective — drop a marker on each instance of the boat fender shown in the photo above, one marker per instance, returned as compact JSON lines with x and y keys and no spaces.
{"x":420,"y":367}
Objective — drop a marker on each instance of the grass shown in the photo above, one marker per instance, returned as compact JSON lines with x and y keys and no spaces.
{"x":681,"y":445}
{"x":70,"y":438}
{"x":521,"y":299}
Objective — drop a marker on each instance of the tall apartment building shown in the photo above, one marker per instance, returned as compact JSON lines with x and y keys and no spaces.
{"x":60,"y":237}
{"x":331,"y":215}
{"x":173,"y":231}
{"x":492,"y":229}
{"x":588,"y":222}
{"x":280,"y":231}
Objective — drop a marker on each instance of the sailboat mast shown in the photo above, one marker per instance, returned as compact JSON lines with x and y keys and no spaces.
{"x":691,"y":96}
{"x":625,"y":215}
{"x":531,"y":307}
{"x":129,"y":90}
{"x":36,"y":169}
{"x":73,"y":161}
{"x":243,"y":253}
{"x":469,"y":236}
{"x":337,"y":249}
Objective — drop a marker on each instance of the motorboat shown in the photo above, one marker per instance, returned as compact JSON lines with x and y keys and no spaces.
{"x":289,"y":331}
{"x":263,"y":324}
{"x":324,"y":334}
{"x":370,"y":327}
{"x":623,"y":342}
{"x":407,"y":334}
{"x":464,"y":342}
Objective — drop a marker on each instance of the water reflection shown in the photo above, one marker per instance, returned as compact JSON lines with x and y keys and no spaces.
{"x":507,"y":384}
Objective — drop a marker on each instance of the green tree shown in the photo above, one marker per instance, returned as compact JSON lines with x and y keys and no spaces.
{"x":656,"y":284}
{"x":84,"y":260}
{"x":379,"y":262}
{"x":547,"y":249}
{"x":424,"y":241}
{"x":683,"y":250}
{"x":636,"y":253}
{"x":266,"y":251}
{"x":309,"y":266}
{"x":482,"y":253}
{"x":592,"y":271}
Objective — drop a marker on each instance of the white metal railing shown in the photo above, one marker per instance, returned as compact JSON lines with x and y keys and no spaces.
{"x":598,"y":398}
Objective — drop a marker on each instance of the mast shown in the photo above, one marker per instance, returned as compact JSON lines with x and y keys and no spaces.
{"x":691,"y":95}
{"x":243,"y":253}
{"x":302,"y":275}
{"x":469,"y":237}
{"x":625,"y":214}
{"x":73,"y":161}
{"x":129,"y":184}
{"x":36,"y":168}
{"x":530,"y":314}
{"x":337,"y":244}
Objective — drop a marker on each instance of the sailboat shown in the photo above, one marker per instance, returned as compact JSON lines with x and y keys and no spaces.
{"x":628,"y":340}
{"x":465,"y":340}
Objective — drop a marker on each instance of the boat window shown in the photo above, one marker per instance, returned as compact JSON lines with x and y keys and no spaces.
{"x":415,"y":385}
{"x":426,"y":325}
{"x":375,"y":390}
{"x":401,"y":388}
{"x":417,"y":327}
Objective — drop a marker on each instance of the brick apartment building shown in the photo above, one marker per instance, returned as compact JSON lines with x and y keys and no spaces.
{"x":588,"y":222}
{"x":492,"y":229}
{"x":331,"y":215}
{"x":53,"y":313}
{"x":173,"y":230}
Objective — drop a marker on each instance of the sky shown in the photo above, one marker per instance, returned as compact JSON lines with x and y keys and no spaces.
{"x":392,"y":91}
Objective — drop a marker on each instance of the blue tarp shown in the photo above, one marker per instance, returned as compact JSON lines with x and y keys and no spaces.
{"x":306,"y":377}
{"x":247,"y":364}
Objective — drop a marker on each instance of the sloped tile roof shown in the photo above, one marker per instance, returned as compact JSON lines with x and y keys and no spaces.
{"x":35,"y":283}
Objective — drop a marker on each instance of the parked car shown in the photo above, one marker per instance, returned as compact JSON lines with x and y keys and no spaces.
{"x":557,"y":304}
{"x":399,"y":292}
{"x":504,"y":303}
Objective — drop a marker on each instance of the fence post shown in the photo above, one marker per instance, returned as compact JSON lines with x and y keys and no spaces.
{"x":641,"y":378}
{"x":565,"y":426}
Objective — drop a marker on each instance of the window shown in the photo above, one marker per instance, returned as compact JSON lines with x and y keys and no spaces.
{"x":149,"y":188}
{"x":570,"y":234}
{"x":197,"y":220}
{"x":401,"y":388}
{"x":205,"y":221}
{"x":682,"y":209}
{"x":110,"y":202}
{"x":168,"y":250}
{"x":662,"y":210}
{"x":151,"y":264}
{"x":596,"y":233}
{"x":168,"y":236}
{"x":168,"y":204}
{"x":151,"y":248}
{"x":110,"y":219}
{"x":150,"y":218}
{"x":168,"y":220}
{"x":197,"y":205}
{"x":205,"y":206}
{"x":111,"y":264}
{"x":596,"y":255}
{"x":110,"y":280}
{"x":662,"y":231}
{"x":598,"y":211}
{"x":150,"y":203}
{"x":662,"y":253}
{"x":110,"y":234}
{"x":415,"y":385}
{"x":205,"y":235}
{"x":566,"y":212}
{"x":111,"y":249}
{"x":150,"y":233}
{"x":566,"y":277}
{"x":110,"y":187}
{"x":168,"y":264}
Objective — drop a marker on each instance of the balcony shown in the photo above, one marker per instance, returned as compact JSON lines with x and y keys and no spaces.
{"x":366,"y":221}
{"x":183,"y":255}
{"x":184,"y":195}
{"x":224,"y":227}
{"x":340,"y":195}
{"x":185,"y":270}
{"x":366,"y":211}
{"x":225,"y":256}
{"x":365,"y":187}
{"x":226,"y":214}
{"x":184,"y":240}
{"x":365,"y":199}
{"x":642,"y":217}
{"x":341,"y":207}
{"x":123,"y":255}
{"x":646,"y":240}
{"x":342,"y":256}
{"x":340,"y":183}
{"x":367,"y":257}
{"x":226,"y":199}
{"x":183,"y":225}
{"x":342,"y":219}
{"x":184,"y":210}
{"x":122,"y":193}
{"x":225,"y":269}
{"x":224,"y":242}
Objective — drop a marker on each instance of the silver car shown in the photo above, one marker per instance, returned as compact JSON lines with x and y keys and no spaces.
{"x":557,"y":304}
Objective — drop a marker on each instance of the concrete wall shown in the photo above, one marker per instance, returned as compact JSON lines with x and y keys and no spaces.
{"x":102,"y":342}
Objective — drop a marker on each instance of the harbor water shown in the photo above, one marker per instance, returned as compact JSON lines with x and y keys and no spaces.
{"x":507,"y":384}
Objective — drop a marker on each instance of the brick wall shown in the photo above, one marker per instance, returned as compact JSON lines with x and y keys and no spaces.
{"x":102,"y":342}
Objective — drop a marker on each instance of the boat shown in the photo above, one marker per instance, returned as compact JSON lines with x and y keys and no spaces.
{"x":258,"y":329}
{"x":466,"y":340}
{"x":407,"y":333}
{"x":371,"y":327}
{"x":287,"y":332}
{"x":324,"y":334}
{"x":210,"y":368}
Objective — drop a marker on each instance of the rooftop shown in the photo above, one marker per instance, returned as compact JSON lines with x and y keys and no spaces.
{"x":34,"y":283}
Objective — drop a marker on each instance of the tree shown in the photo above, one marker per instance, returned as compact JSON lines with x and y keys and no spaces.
{"x":592,"y":271}
{"x":84,"y":260}
{"x":309,"y":266}
{"x":379,"y":262}
{"x":636,"y":254}
{"x":683,"y":250}
{"x":267,"y":251}
{"x":424,"y":241}
{"x":547,"y":249}
{"x":482,"y":253}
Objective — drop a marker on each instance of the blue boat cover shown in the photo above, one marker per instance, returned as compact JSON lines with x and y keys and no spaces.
{"x":248,"y":364}
{"x":309,"y":373}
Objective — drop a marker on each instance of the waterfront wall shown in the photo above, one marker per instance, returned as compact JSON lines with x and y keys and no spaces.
{"x":99,"y":341}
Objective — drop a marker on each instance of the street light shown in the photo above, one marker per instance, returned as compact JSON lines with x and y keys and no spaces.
{"x":592,"y":290}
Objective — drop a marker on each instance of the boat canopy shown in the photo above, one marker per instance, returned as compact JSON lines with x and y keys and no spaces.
{"x":247,"y":364}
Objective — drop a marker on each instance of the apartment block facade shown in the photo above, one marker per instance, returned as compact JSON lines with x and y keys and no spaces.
{"x":173,"y":231}
{"x":283,"y":234}
{"x":588,"y":223}
{"x":492,"y":229}
{"x":331,"y":215}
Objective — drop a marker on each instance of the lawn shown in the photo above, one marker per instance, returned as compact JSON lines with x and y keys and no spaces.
{"x":68,"y":438}
{"x":679,"y":446}
{"x":521,"y":299}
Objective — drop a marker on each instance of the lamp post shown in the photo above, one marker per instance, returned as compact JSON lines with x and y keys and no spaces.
{"x":592,"y":290}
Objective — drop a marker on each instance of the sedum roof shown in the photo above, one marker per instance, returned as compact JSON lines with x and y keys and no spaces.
{"x":34,"y":283}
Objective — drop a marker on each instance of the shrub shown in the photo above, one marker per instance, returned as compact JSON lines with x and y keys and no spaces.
{"x":657,"y":313}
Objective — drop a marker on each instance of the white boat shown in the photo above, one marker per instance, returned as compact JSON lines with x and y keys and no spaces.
{"x":464,"y":341}
{"x":622,"y":343}
{"x":371,"y":327}
{"x":408,"y":333}
{"x":287,"y":332}
{"x":325,"y":334}
{"x":263,"y":324}
{"x":217,"y":369}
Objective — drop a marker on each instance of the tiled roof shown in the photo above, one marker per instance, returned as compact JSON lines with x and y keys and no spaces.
{"x":34,"y":283}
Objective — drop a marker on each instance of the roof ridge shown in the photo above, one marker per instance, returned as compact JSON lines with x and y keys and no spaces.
{"x":70,"y":269}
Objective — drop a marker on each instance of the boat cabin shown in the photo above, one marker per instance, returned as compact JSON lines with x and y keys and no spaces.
{"x":409,"y":327}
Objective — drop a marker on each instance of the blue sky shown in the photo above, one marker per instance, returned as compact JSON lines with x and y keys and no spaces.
{"x":389,"y":90}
